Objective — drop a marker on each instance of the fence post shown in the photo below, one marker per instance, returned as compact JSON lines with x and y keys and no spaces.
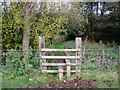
{"x":119,"y":65}
{"x":78,"y":61}
{"x":103,"y":58}
{"x":41,"y":42}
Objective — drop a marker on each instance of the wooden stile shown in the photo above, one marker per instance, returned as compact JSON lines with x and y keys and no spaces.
{"x":68,"y":58}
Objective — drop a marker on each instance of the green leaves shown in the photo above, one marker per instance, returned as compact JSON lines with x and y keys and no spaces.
{"x":16,"y":65}
{"x":45,"y":22}
{"x":11,"y":26}
{"x":48,"y":26}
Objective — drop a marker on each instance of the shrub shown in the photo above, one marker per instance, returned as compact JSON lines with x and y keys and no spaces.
{"x":16,"y":62}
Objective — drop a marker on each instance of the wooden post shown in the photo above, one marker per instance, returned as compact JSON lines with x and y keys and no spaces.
{"x":60,"y":68}
{"x":68,"y":70}
{"x":78,"y":61}
{"x":68,"y":65}
{"x":119,"y":65}
{"x":41,"y":42}
{"x":103,"y":58}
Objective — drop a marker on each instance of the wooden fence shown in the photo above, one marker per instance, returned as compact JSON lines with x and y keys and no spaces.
{"x":67,"y":58}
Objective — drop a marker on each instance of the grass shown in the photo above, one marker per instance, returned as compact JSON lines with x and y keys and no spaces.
{"x":24,"y":80}
{"x":36,"y":77}
{"x":101,"y":76}
{"x":65,"y":44}
{"x":9,"y":81}
{"x":0,"y":81}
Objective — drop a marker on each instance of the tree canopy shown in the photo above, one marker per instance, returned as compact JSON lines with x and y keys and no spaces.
{"x":23,"y":22}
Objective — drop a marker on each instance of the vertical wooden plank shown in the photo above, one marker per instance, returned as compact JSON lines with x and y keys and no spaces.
{"x":78,"y":61}
{"x":68,"y":65}
{"x":60,"y":68}
{"x":68,"y":71}
{"x":41,"y":42}
{"x":103,"y":58}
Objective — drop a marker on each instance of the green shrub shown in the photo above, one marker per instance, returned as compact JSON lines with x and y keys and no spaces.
{"x":16,"y":62}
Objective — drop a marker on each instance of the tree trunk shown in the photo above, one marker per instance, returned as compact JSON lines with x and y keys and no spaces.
{"x":97,"y":7}
{"x":26,"y":32}
{"x":91,"y":20}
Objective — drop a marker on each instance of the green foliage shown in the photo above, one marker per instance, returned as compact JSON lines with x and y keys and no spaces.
{"x":47,"y":26}
{"x":104,"y":23}
{"x":92,"y":59}
{"x":92,"y":55}
{"x":76,"y":19}
{"x":26,"y":80}
{"x":36,"y":78}
{"x":100,"y":76}
{"x":49,"y":23}
{"x":14,"y":71}
{"x":12,"y":26}
{"x":18,"y":63}
{"x":14,"y":63}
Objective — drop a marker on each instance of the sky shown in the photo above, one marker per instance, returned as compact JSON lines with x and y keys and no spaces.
{"x":60,"y":0}
{"x":99,"y":11}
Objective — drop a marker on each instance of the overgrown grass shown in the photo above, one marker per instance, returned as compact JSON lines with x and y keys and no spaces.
{"x":15,"y":76}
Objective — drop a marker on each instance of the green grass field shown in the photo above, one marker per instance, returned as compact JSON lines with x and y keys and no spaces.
{"x":104,"y":78}
{"x":23,"y":81}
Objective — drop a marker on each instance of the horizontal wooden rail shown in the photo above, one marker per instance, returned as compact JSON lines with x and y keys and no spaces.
{"x":60,"y":57}
{"x":43,"y":49}
{"x":56,"y":71}
{"x":58,"y":64}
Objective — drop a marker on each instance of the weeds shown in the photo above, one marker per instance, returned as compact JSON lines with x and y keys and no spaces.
{"x":92,"y":60}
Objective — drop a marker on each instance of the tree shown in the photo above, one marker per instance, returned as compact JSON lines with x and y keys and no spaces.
{"x":47,"y":25}
{"x":26,"y":31}
{"x":12,"y":25}
{"x":24,"y":22}
{"x":76,"y":19}
{"x":103,"y":21}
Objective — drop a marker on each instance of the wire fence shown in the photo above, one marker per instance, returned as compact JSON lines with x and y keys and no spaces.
{"x":92,"y":59}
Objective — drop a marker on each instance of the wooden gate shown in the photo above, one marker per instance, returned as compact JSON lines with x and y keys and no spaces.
{"x":67,"y":58}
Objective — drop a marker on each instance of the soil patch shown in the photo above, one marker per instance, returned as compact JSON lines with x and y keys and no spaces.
{"x":76,"y":83}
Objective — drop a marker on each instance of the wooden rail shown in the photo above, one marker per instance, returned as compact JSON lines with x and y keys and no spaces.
{"x":44,"y":49}
{"x":60,"y":57}
{"x":58,"y":64}
{"x":57,"y":71}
